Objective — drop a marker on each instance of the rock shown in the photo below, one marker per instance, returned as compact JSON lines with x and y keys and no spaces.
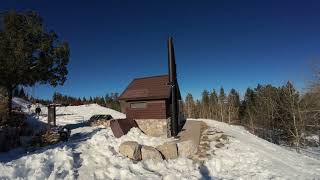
{"x":187,"y":148}
{"x":224,"y":139}
{"x":131,"y":149}
{"x":149,"y":152}
{"x":215,"y":136}
{"x":100,"y":122}
{"x":153,"y":127}
{"x":168,"y":150}
{"x":219,"y":145}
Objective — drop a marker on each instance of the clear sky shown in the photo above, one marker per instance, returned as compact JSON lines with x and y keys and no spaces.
{"x":227,"y":43}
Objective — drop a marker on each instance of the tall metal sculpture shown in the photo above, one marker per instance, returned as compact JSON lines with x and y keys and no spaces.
{"x":174,"y":89}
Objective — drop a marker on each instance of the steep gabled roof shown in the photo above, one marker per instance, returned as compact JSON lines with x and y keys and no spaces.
{"x":147,"y":88}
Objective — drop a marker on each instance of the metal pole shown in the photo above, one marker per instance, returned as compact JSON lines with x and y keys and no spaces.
{"x":173,"y":83}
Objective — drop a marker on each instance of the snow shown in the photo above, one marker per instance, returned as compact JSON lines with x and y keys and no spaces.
{"x":249,"y":156}
{"x":18,"y":102}
{"x":92,"y":153}
{"x":77,"y":114}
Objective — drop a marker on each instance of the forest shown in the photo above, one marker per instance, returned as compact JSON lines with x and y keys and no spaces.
{"x":281,"y":115}
{"x":110,"y":100}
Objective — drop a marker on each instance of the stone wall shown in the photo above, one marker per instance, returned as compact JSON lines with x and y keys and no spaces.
{"x":153,"y":127}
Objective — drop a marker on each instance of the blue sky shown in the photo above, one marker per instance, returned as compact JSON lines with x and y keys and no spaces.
{"x":217,"y":43}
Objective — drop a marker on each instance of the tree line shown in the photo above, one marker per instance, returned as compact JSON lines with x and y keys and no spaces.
{"x":281,"y":115}
{"x":214,"y":106}
{"x":109,"y":100}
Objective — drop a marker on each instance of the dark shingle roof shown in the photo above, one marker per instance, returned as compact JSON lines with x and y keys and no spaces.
{"x":146,"y":88}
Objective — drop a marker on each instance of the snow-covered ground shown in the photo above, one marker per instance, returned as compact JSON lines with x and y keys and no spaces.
{"x":18,"y":102}
{"x":251,"y":157}
{"x":92,"y":153}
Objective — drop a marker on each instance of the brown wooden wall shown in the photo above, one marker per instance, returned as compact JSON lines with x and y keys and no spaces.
{"x":155,"y":109}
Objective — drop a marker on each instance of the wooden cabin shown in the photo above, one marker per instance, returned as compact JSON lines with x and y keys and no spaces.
{"x":147,"y":101}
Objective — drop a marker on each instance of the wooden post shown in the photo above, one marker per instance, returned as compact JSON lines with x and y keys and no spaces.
{"x":52,"y":115}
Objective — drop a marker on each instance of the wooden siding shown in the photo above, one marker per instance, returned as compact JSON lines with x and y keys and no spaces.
{"x":156,"y":109}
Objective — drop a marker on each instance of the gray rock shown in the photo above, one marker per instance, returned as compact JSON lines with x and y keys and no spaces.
{"x":149,"y":152}
{"x":219,"y":145}
{"x":131,"y":149}
{"x":168,"y":150}
{"x":153,"y":127}
{"x":187,"y":148}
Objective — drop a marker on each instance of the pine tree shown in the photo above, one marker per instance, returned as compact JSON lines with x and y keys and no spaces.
{"x":291,"y":116}
{"x":205,"y":104}
{"x":84,"y":100}
{"x":249,"y":114}
{"x":213,"y":107}
{"x":29,"y":54}
{"x":222,"y":99}
{"x":22,"y":94}
{"x":233,"y":105}
{"x":16,"y":92}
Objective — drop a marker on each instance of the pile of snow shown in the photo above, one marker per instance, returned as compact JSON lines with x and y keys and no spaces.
{"x":135,"y":134}
{"x":92,"y":153}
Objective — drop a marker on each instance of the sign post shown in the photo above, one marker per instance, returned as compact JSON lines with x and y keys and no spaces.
{"x":52,"y":115}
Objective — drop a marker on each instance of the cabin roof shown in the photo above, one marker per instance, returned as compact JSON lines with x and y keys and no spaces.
{"x":148,"y":88}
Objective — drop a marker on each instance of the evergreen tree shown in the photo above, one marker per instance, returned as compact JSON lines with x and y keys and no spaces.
{"x":213,"y":107}
{"x":291,"y":116}
{"x":249,"y":114}
{"x":29,"y":54}
{"x":16,"y":92}
{"x":84,"y":100}
{"x":205,"y":104}
{"x":22,"y":94}
{"x":222,"y":99}
{"x":233,"y":105}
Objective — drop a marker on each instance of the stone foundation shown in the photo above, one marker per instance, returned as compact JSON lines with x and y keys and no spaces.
{"x":153,"y":127}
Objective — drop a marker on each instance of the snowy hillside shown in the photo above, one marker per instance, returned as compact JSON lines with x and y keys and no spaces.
{"x":68,"y":114}
{"x":92,"y":153}
{"x":75,"y":114}
{"x":252,"y":157}
{"x":18,"y":102}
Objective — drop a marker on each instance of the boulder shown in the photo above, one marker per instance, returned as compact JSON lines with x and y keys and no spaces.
{"x":187,"y":148}
{"x":153,"y":127}
{"x":149,"y":152}
{"x":131,"y":149}
{"x":168,"y":150}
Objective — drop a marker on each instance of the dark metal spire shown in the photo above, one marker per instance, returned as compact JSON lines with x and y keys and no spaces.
{"x":174,"y":90}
